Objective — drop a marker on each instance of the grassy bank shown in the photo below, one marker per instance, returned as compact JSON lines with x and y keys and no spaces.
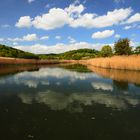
{"x":131,"y":62}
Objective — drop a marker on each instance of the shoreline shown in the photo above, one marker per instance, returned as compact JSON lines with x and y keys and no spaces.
{"x":19,"y":61}
{"x":131,"y":62}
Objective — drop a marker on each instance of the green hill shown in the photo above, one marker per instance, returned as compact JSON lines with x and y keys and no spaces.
{"x":6,"y":51}
{"x":74,"y":54}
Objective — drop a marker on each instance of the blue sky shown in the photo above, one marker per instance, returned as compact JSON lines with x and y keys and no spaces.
{"x":55,"y":26}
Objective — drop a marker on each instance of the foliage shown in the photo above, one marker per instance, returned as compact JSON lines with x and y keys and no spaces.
{"x":6,"y":51}
{"x":137,"y":50}
{"x":106,"y":51}
{"x":74,"y":54}
{"x":122,"y":47}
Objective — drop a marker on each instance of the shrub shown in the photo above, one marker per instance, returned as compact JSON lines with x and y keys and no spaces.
{"x":106,"y":51}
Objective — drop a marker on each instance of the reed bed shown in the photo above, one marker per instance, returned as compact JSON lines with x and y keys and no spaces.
{"x":15,"y":61}
{"x":131,"y":62}
{"x":116,"y":62}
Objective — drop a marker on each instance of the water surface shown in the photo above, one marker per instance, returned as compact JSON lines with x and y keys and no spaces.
{"x":69,"y":102}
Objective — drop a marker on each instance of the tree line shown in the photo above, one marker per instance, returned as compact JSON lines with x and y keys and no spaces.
{"x":121,"y":47}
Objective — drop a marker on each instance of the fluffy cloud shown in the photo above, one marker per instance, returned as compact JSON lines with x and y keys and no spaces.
{"x":28,"y":37}
{"x":54,"y":19}
{"x":30,"y":1}
{"x":93,"y":21}
{"x":58,"y":48}
{"x":58,"y":37}
{"x":117,"y":36}
{"x":76,"y":2}
{"x":44,"y":38}
{"x":71,"y":40}
{"x":130,"y":26}
{"x":75,"y":11}
{"x":74,"y":17}
{"x":24,"y":22}
{"x":127,"y":27}
{"x":85,"y":20}
{"x":134,"y":18}
{"x":103,"y":34}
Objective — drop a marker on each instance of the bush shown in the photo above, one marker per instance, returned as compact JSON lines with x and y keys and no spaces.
{"x":106,"y":51}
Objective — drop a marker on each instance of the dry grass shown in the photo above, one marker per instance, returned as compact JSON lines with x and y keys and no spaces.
{"x":116,"y":62}
{"x":6,"y":60}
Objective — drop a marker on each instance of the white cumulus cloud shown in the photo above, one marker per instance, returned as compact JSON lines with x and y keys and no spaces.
{"x":133,"y":19}
{"x":25,"y":21}
{"x":30,"y":1}
{"x":103,"y":34}
{"x":28,"y":37}
{"x":91,"y":20}
{"x":58,"y":48}
{"x":56,"y":18}
{"x":74,"y":16}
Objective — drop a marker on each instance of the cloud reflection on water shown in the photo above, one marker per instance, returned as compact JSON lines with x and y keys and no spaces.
{"x":59,"y":101}
{"x":60,"y":89}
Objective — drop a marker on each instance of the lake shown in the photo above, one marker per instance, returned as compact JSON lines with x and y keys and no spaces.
{"x":69,"y":102}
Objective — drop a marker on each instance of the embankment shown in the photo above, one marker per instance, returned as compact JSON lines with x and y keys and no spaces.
{"x":15,"y":61}
{"x":131,"y":62}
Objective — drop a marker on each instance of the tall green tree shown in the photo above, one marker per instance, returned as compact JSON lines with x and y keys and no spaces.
{"x":122,"y":47}
{"x":106,"y":51}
